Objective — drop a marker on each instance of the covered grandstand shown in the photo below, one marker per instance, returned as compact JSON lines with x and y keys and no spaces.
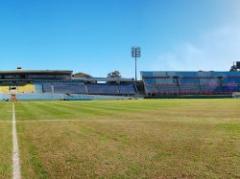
{"x":62,"y":84}
{"x":170,"y":83}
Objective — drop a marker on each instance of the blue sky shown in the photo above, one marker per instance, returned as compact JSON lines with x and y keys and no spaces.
{"x":95,"y":36}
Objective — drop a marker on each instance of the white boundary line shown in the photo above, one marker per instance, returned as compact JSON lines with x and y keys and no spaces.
{"x":15,"y":154}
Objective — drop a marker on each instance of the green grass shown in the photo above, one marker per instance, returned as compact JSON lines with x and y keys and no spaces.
{"x":5,"y":141}
{"x":129,"y":139}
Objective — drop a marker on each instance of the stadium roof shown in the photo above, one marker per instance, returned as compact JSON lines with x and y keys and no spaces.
{"x":36,"y":71}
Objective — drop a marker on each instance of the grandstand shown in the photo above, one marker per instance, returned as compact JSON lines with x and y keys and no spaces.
{"x":45,"y":84}
{"x":63,"y":85}
{"x":168,"y":83}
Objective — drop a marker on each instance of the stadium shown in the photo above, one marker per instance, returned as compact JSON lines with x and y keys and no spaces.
{"x":56,"y":124}
{"x":79,"y":99}
{"x":64,"y":85}
{"x":74,"y":125}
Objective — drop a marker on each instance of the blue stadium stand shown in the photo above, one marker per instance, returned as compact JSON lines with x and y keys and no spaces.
{"x":166,"y":83}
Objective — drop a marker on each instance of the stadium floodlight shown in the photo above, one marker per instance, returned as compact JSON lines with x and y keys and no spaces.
{"x":136,"y":53}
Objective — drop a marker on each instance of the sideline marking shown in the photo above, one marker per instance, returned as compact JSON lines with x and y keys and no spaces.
{"x":15,"y":154}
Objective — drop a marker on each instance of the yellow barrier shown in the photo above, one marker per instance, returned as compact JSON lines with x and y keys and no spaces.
{"x":28,"y":88}
{"x":4,"y":89}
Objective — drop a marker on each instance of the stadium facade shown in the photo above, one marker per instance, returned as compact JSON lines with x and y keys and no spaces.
{"x":63,"y":85}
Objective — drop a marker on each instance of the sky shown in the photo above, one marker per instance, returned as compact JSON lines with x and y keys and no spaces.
{"x":95,"y":36}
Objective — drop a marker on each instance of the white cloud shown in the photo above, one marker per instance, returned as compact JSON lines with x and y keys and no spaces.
{"x":214,"y":50}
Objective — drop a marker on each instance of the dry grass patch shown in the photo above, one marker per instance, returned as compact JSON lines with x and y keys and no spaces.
{"x":5,"y":141}
{"x":130,"y":139}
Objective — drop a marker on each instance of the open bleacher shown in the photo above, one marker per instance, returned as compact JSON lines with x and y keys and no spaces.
{"x":64,"y":87}
{"x":71,"y":88}
{"x":104,"y":89}
{"x":90,"y":89}
{"x":128,"y":89}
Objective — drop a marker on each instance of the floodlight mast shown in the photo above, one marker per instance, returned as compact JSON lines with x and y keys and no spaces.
{"x":136,"y":53}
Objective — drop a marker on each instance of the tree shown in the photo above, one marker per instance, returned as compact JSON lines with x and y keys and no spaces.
{"x":81,"y":75}
{"x":114,"y":74}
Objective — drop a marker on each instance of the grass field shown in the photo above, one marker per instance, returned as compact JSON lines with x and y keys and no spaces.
{"x":5,"y":141}
{"x":124,"y":139}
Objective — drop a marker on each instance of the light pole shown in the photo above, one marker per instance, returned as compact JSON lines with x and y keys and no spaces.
{"x":136,"y":53}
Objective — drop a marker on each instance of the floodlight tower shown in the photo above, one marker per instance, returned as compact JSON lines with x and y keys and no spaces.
{"x":136,"y":53}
